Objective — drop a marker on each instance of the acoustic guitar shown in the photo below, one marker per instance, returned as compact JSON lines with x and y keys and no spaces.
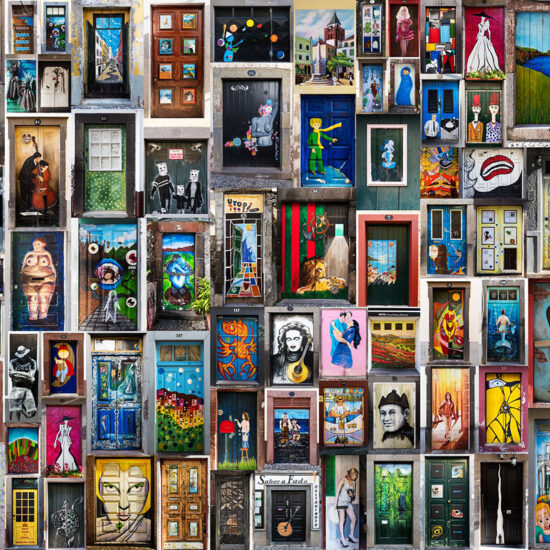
{"x":285,"y":528}
{"x":297,"y":371}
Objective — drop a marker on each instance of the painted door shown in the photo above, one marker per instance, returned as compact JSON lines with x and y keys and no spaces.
{"x":501,"y":509}
{"x":184,"y":506}
{"x":441,"y":36}
{"x":177,"y":286}
{"x":447,"y":505}
{"x":503,"y":327}
{"x":288,"y":516}
{"x":403,"y":26}
{"x":388,"y":264}
{"x":180,"y":397}
{"x":448,"y":323}
{"x":55,"y":29}
{"x":446,"y":240}
{"x":546,"y":223}
{"x":66,"y":515}
{"x":251,"y":123}
{"x":483,"y":121}
{"x":328,"y":141}
{"x":54,"y":86}
{"x":440,"y":111}
{"x":541,"y":342}
{"x":38,"y":273}
{"x":393,"y":509}
{"x":116,"y":407}
{"x":22,"y":28}
{"x":25,"y":512}
{"x":177,"y":62}
{"x":499,"y":238}
{"x":232,"y":513}
{"x":372,"y":27}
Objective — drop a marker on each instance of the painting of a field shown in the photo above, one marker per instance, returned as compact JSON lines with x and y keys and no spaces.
{"x":393,"y":344}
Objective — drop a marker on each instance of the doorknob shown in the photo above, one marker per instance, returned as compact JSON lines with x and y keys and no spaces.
{"x":449,"y":502}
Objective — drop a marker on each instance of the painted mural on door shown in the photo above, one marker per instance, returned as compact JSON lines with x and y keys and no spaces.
{"x":237,"y":348}
{"x":439,"y":172}
{"x":441,"y":37}
{"x":372,"y":26}
{"x":484,"y":42}
{"x":450,"y":417}
{"x":54,"y":93}
{"x":393,"y":503}
{"x":21,"y":86}
{"x":403,"y":95}
{"x":392,"y":343}
{"x":232,"y":508}
{"x":503,"y":403}
{"x":236,"y":430}
{"x":448,"y":323}
{"x":23,"y":378}
{"x":55,"y":28}
{"x":63,"y":441}
{"x":178,"y":271}
{"x":63,"y":368}
{"x":387,"y":154}
{"x":542,"y":508}
{"x":23,"y":28}
{"x":503,"y":324}
{"x":108,"y":277}
{"x":23,"y":455}
{"x":288,"y":516}
{"x":483,"y":116}
{"x":446,"y":240}
{"x":38,"y":281}
{"x":404,"y":31}
{"x":315,"y":255}
{"x":499,"y":238}
{"x":243,"y":268}
{"x":492,"y":173}
{"x":180,"y":397}
{"x":343,"y":342}
{"x":124,"y":499}
{"x":344,"y":416}
{"x":342,"y":488}
{"x":372,"y":88}
{"x":541,"y":337}
{"x":394,"y":414}
{"x":25,"y":516}
{"x":37,"y":171}
{"x":251,"y":123}
{"x":292,"y":349}
{"x":440,"y":111}
{"x":66,"y":515}
{"x":328,"y":140}
{"x":447,"y":504}
{"x":291,"y":444}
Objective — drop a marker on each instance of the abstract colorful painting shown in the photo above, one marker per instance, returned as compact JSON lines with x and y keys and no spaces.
{"x":291,"y":436}
{"x":124,"y":497}
{"x":393,"y":343}
{"x":21,"y":86}
{"x":448,"y":323}
{"x":441,"y":36}
{"x":23,"y":457}
{"x":236,"y":430}
{"x":344,"y":416}
{"x":315,"y":251}
{"x":541,"y":337}
{"x":63,"y":368}
{"x":439,"y":172}
{"x":503,"y":401}
{"x":180,"y":398}
{"x":503,"y":324}
{"x":343,"y":342}
{"x":108,"y":276}
{"x":484,"y":42}
{"x":237,"y":348}
{"x":450,"y":409}
{"x":394,"y":415}
{"x":381,"y":261}
{"x":63,"y":441}
{"x":483,"y":121}
{"x":178,"y":271}
{"x":372,"y":88}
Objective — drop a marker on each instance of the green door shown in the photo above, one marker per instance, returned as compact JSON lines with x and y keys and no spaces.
{"x":387,"y":264}
{"x":393,"y":503}
{"x":447,"y":502}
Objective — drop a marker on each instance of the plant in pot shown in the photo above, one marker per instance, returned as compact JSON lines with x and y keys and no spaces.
{"x":201,"y":305}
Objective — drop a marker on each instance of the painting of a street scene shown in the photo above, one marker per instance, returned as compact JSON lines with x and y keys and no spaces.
{"x":382,"y":262}
{"x":109,"y":49}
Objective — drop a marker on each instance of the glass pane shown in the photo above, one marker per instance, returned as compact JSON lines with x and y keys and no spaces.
{"x":101,"y":344}
{"x":432,"y":101}
{"x":194,"y":353}
{"x":448,"y":101}
{"x":180,"y":353}
{"x":456,"y":224}
{"x":437,"y":224}
{"x":165,"y":353}
{"x":127,"y":344}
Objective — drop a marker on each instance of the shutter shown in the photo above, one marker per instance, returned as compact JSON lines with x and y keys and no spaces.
{"x":448,"y":101}
{"x":433,"y":101}
{"x":90,"y":40}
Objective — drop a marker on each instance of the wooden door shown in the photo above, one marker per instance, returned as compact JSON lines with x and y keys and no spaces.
{"x":446,"y":240}
{"x":448,"y":323}
{"x":546,"y":224}
{"x":65,"y":518}
{"x":440,"y":111}
{"x":503,"y":333}
{"x":177,"y":86}
{"x":232,"y":513}
{"x":184,"y":505}
{"x":501,"y":490}
{"x":288,"y":516}
{"x":447,"y":506}
{"x":25,"y":513}
{"x":388,"y":264}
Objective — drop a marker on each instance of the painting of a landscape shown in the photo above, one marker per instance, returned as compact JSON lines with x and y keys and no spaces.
{"x":392,"y":346}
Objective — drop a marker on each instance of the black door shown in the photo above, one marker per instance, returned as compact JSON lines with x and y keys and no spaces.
{"x":288,"y":516}
{"x":501,"y":498}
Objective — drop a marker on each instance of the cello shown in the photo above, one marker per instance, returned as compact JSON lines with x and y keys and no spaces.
{"x":43,"y":196}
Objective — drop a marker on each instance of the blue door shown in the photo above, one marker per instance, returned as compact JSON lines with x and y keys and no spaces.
{"x":446,"y":240}
{"x":440,"y":111}
{"x":328,"y":141}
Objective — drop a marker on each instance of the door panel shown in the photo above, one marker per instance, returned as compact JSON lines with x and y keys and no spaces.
{"x":288,"y":513}
{"x":65,"y":515}
{"x":177,"y":62}
{"x":232,"y":513}
{"x":25,"y":512}
{"x":446,"y":240}
{"x":448,"y":323}
{"x":440,"y":99}
{"x":388,"y":264}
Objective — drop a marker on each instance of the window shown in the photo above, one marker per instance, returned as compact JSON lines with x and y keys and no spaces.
{"x":433,"y":101}
{"x":105,"y":149}
{"x":437,"y":224}
{"x":456,"y":224}
{"x":448,"y":101}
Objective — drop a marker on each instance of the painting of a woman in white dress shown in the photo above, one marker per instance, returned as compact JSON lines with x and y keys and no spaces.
{"x":65,"y":460}
{"x":483,"y":57}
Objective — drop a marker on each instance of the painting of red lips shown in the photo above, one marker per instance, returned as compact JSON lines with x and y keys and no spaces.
{"x":496,"y":166}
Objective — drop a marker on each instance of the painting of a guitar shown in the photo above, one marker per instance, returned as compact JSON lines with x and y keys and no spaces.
{"x":285,"y":528}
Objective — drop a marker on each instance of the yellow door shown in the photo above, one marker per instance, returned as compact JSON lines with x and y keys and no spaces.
{"x":25,"y":517}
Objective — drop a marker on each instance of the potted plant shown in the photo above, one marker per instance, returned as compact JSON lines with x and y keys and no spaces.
{"x":201,"y":305}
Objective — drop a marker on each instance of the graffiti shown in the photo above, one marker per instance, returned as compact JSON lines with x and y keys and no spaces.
{"x":448,"y":324}
{"x":394,"y":415}
{"x":291,"y":444}
{"x":372,"y":88}
{"x":21,"y":88}
{"x":441,"y":37}
{"x":23,"y":377}
{"x":292,"y":342}
{"x":484,"y":42}
{"x":236,"y":431}
{"x":439,"y":172}
{"x":450,"y":409}
{"x":503,"y":328}
{"x":393,"y":343}
{"x":381,"y":262}
{"x":108,"y":277}
{"x":123,"y":500}
{"x":503,"y":408}
{"x":237,"y":348}
{"x":178,"y":273}
{"x":23,"y":457}
{"x":63,"y":368}
{"x":63,"y":441}
{"x":343,"y":416}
